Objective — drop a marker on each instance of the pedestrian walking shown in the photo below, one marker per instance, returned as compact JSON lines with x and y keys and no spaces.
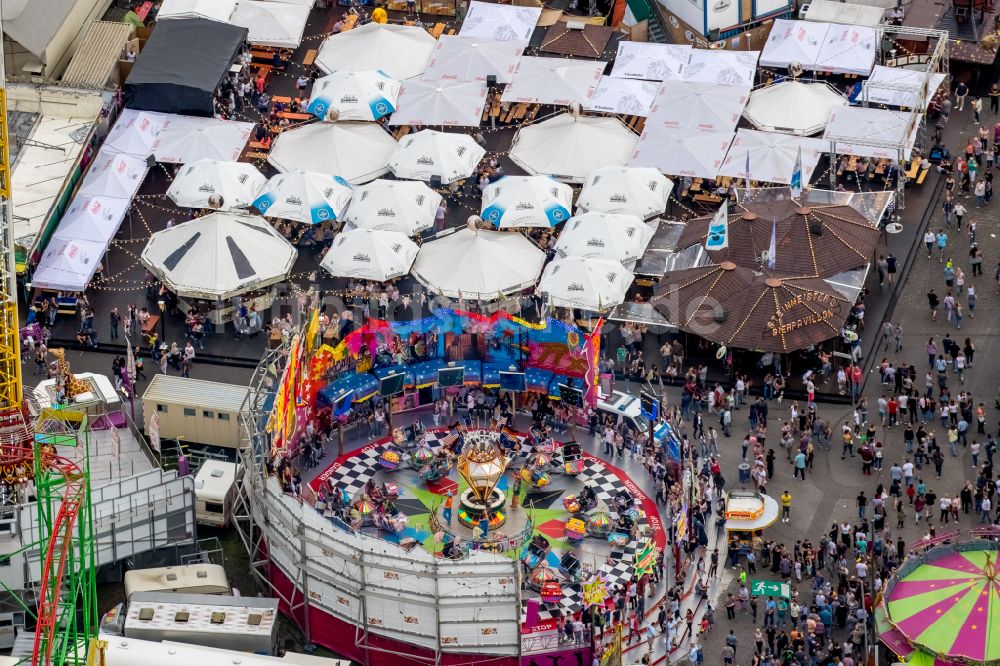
{"x":977,"y":108}
{"x":942,"y":238}
{"x":961,"y":92}
{"x":114,"y":320}
{"x":959,"y":212}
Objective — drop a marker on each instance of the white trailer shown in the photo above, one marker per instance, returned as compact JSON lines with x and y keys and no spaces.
{"x":215,"y":492}
{"x":189,"y":578}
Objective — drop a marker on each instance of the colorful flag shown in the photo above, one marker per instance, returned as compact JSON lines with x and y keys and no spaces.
{"x":718,"y":230}
{"x":795,"y":184}
{"x":773,"y":248}
{"x":747,"y":171}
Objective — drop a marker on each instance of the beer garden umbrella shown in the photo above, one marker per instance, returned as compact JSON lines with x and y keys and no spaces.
{"x":619,"y":237}
{"x":431,"y":154}
{"x":406,"y":206}
{"x":370,"y":255}
{"x":588,"y":283}
{"x":526,"y":201}
{"x":304,"y":196}
{"x":214,"y":184}
{"x":343,"y":95}
{"x":641,"y":191}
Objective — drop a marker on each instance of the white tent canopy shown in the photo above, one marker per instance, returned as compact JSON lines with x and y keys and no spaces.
{"x":357,"y":152}
{"x":639,"y":191}
{"x":702,"y":106}
{"x":848,"y":49}
{"x":304,"y":196}
{"x":236,"y":184}
{"x":868,"y":132}
{"x":401,"y":51}
{"x":67,"y":264}
{"x":465,"y":58}
{"x":184,"y":139}
{"x":631,"y":97}
{"x":406,"y":206}
{"x":269,"y":23}
{"x":650,"y":61}
{"x":526,"y":201}
{"x":897,"y":86}
{"x":370,"y":254}
{"x":429,"y":153}
{"x":793,"y":107}
{"x":793,"y":41}
{"x":845,"y":13}
{"x":219,"y":256}
{"x":487,"y":20}
{"x":558,"y":81}
{"x":478,"y":265}
{"x":682,"y":152}
{"x":135,"y":133}
{"x":92,"y":218}
{"x":450,"y":103}
{"x":605,"y":235}
{"x":216,"y":10}
{"x":588,"y":283}
{"x":722,"y":67}
{"x":364,"y":95}
{"x":113,"y":175}
{"x":771,"y":155}
{"x":569,"y":148}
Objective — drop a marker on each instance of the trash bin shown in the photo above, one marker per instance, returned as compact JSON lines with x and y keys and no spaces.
{"x":744,"y":473}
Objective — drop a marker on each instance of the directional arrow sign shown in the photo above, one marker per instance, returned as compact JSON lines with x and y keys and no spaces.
{"x":770,"y":588}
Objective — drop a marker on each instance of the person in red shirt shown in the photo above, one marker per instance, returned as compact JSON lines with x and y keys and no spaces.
{"x":893,"y":411}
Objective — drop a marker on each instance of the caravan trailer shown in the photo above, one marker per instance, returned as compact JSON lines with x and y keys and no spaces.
{"x":215,"y":492}
{"x":188,"y":578}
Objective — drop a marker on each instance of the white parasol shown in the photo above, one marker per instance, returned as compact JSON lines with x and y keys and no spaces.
{"x":639,"y":191}
{"x":220,"y":185}
{"x":588,"y":283}
{"x":135,"y":133}
{"x":369,"y":254}
{"x":219,"y":256}
{"x":569,"y":147}
{"x":405,"y":206}
{"x":605,"y":235}
{"x":115,"y":176}
{"x":793,"y":107}
{"x":703,"y":106}
{"x":449,"y":103}
{"x":488,"y":20}
{"x":553,"y":81}
{"x":682,"y":152}
{"x":184,"y":139}
{"x":357,"y":152}
{"x":526,"y":201}
{"x":343,"y":95}
{"x":464,"y":58}
{"x":478,"y":265}
{"x":92,"y":218}
{"x":429,"y":154}
{"x":304,"y":196}
{"x":401,"y":51}
{"x":276,"y":24}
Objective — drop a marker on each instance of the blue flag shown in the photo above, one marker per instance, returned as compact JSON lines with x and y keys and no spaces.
{"x":795,"y":184}
{"x":718,"y":231}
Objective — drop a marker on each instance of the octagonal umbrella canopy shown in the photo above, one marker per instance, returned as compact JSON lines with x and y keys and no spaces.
{"x":605,"y":235}
{"x":465,"y":58}
{"x":430,"y":153}
{"x":948,"y":604}
{"x":424,"y":101}
{"x":639,"y":191}
{"x":406,"y":206}
{"x":344,"y":95}
{"x":742,"y":307}
{"x":588,"y":283}
{"x":569,"y":147}
{"x":526,"y":201}
{"x":357,"y":152}
{"x":219,"y":185}
{"x":370,"y":255}
{"x":793,"y":107}
{"x":478,"y":265}
{"x":304,"y":196}
{"x":401,"y":51}
{"x":219,"y":256}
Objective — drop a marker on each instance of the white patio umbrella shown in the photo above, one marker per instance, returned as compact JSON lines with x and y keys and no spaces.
{"x":526,"y":201}
{"x":219,"y":185}
{"x":429,"y":153}
{"x":569,"y":147}
{"x":650,"y":61}
{"x":219,"y":256}
{"x":114,"y":176}
{"x":465,"y":58}
{"x":215,"y":10}
{"x":478,"y":265}
{"x":451,"y":103}
{"x":369,"y":254}
{"x":269,"y":23}
{"x":357,"y":152}
{"x":625,"y":96}
{"x":401,"y":51}
{"x":606,"y":235}
{"x":682,"y":152}
{"x":186,"y":139}
{"x":68,"y":263}
{"x":135,"y":133}
{"x":703,"y":106}
{"x":92,"y":218}
{"x":553,"y":81}
{"x":344,"y":95}
{"x":304,"y":196}
{"x":588,"y":283}
{"x":772,"y":156}
{"x":793,"y":107}
{"x":639,"y":191}
{"x":406,"y":206}
{"x":504,"y":22}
